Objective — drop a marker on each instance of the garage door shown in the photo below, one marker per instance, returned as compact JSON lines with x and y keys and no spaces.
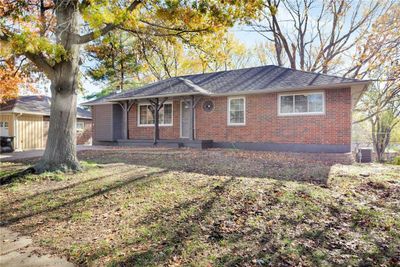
{"x":30,"y":132}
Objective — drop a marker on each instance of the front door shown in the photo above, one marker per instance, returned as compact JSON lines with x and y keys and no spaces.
{"x":185,"y":118}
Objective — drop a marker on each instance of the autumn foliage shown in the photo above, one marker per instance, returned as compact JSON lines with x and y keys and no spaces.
{"x":10,"y":79}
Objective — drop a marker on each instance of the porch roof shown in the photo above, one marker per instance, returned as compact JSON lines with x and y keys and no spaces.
{"x":266,"y":79}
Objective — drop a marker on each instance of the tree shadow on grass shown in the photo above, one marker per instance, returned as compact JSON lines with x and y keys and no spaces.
{"x":300,"y":167}
{"x":9,"y":219}
{"x":16,"y":176}
{"x":58,"y":189}
{"x":309,"y":239}
{"x":174,"y":233}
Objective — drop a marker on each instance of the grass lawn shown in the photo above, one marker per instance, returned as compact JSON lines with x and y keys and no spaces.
{"x":153,"y":207}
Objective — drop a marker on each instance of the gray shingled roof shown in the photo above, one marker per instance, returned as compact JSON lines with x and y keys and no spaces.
{"x":37,"y":104}
{"x":268,"y":79}
{"x":100,"y":100}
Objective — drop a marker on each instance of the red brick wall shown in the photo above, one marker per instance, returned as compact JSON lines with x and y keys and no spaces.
{"x":82,"y":137}
{"x":262,"y":122}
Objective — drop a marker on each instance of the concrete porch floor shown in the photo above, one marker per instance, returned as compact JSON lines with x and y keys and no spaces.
{"x":171,"y":143}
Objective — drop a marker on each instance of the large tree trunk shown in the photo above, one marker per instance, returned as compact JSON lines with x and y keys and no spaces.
{"x":60,"y":152}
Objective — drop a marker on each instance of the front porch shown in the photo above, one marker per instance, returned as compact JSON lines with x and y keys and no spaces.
{"x":165,"y":122}
{"x":172,"y":143}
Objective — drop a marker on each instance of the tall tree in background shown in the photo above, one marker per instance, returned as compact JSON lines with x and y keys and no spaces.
{"x":163,"y":58}
{"x":379,"y":50}
{"x":225,"y":54}
{"x":50,"y":34}
{"x":132,"y":60}
{"x":379,"y":58}
{"x":170,"y":57}
{"x":382,"y":110}
{"x":317,"y":36}
{"x":114,"y":59}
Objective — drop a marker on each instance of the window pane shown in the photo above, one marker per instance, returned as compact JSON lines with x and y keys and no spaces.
{"x":161,"y":116}
{"x":300,"y":103}
{"x":143,"y":114}
{"x":150,"y":119}
{"x":80,"y":126}
{"x":287,"y":104}
{"x":146,"y":114}
{"x":237,"y":117}
{"x":236,"y":114}
{"x":167,"y":114}
{"x":315,"y":103}
{"x":237,"y":104}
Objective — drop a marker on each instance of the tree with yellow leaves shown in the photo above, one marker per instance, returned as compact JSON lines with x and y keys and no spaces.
{"x":379,"y":59}
{"x":50,"y":34}
{"x":10,"y":80}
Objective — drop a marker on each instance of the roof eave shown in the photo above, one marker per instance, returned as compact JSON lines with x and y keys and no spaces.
{"x":21,"y":111}
{"x":278,"y":90}
{"x":303,"y":88}
{"x":148,"y":97}
{"x":93,"y":104}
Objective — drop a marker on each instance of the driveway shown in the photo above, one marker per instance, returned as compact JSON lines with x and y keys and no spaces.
{"x":17,"y":250}
{"x":18,"y":155}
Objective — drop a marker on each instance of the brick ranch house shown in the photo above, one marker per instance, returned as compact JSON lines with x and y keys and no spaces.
{"x":27,"y":118}
{"x":260,"y":108}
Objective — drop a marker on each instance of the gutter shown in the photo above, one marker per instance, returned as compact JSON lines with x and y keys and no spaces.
{"x":305,"y":88}
{"x":152,"y":96}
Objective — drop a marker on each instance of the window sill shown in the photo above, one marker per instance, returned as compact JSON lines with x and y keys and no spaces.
{"x":160,"y":125}
{"x":236,"y":124}
{"x":301,"y":114}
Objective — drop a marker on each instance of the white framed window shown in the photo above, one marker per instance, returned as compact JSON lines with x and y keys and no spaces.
{"x":80,"y":126}
{"x":3,"y":128}
{"x":145,"y":115}
{"x":301,"y":104}
{"x":236,"y":110}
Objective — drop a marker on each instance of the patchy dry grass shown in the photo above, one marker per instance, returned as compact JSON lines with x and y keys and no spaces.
{"x":211,"y":208}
